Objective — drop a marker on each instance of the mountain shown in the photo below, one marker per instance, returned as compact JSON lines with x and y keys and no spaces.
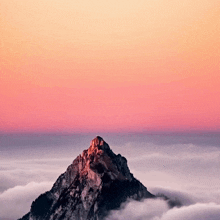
{"x":97,"y":182}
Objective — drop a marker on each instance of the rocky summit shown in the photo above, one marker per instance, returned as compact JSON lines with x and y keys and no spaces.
{"x":97,"y":182}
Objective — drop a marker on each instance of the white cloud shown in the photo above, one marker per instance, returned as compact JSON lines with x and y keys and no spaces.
{"x":210,"y":211}
{"x":148,"y":209}
{"x":183,"y":166}
{"x":22,"y":181}
{"x":158,"y":210}
{"x":184,"y":197}
{"x":194,"y":207}
{"x":15,"y":202}
{"x":21,"y":172}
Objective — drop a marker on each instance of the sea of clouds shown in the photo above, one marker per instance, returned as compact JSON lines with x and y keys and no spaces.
{"x":158,"y":210}
{"x":184,"y":168}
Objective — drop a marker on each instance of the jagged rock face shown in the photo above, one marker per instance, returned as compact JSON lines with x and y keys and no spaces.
{"x":96,"y":182}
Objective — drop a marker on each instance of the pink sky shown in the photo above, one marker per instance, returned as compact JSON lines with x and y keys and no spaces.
{"x":109,"y":65}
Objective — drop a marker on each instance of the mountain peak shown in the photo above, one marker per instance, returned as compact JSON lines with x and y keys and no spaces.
{"x":98,"y":144}
{"x":97,"y":182}
{"x":97,"y":141}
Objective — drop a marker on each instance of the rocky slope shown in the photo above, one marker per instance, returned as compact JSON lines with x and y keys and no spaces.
{"x":96,"y":182}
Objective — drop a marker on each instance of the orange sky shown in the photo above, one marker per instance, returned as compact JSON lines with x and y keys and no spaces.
{"x":109,"y":65}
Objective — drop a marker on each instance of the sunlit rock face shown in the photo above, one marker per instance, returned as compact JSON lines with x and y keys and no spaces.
{"x":97,"y":182}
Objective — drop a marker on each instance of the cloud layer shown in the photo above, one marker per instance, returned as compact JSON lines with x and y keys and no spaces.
{"x":147,"y":209}
{"x":158,"y":210}
{"x":16,"y":201}
{"x":181,"y":168}
{"x":210,"y":211}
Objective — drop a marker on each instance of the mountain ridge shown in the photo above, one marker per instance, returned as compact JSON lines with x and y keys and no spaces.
{"x":97,"y":182}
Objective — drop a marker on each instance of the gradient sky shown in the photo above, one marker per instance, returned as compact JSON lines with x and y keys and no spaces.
{"x":109,"y":65}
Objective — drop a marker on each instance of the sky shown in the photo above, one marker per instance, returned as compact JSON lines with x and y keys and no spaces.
{"x":91,"y":66}
{"x":184,"y":167}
